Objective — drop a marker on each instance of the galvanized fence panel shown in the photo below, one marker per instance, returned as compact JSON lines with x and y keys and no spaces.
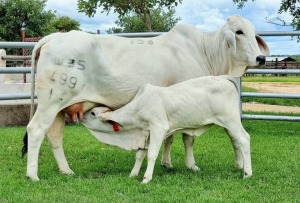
{"x":18,"y":70}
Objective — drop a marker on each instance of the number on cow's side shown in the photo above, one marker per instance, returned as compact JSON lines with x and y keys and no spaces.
{"x":72,"y":82}
{"x":63,"y":78}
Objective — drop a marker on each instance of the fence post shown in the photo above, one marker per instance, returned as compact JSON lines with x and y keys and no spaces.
{"x":239,"y":86}
{"x":3,"y":77}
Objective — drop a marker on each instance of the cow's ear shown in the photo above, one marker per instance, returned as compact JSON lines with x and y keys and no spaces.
{"x":262,"y":45}
{"x":230,"y":38}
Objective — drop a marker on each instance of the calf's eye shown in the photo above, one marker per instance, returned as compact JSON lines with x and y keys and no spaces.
{"x":239,"y":32}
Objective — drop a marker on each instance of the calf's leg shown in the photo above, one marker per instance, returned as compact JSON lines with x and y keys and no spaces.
{"x":140,"y":155}
{"x":156,"y":139}
{"x":241,"y":144}
{"x":55,"y":138}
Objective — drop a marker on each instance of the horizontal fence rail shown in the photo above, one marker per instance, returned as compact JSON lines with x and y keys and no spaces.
{"x":20,"y":70}
{"x":269,"y":95}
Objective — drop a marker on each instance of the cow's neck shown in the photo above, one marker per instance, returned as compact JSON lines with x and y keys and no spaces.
{"x":216,"y":50}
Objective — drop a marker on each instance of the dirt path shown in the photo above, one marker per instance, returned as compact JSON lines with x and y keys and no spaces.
{"x":273,"y":87}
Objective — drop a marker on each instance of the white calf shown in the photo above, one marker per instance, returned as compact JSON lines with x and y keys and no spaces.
{"x":190,"y":107}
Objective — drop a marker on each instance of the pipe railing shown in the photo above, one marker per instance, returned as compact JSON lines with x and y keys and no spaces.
{"x":154,"y":34}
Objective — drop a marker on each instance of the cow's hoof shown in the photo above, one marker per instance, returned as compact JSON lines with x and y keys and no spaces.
{"x":33,"y":178}
{"x":247,"y":175}
{"x":166,"y":165}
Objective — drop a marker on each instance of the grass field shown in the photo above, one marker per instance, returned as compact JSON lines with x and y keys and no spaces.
{"x":101,"y":171}
{"x":289,"y":79}
{"x":273,"y":101}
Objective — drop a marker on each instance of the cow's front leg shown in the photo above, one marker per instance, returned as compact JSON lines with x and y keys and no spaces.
{"x":55,"y":138}
{"x":156,"y":139}
{"x":189,"y":154}
{"x":140,"y":155}
{"x":166,"y":157}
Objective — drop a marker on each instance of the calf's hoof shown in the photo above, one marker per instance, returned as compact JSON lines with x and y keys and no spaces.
{"x":67,"y":172}
{"x":146,"y":180}
{"x":194,"y":168}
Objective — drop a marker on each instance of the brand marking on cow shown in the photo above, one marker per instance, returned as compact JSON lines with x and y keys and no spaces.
{"x":141,"y":41}
{"x":64,"y":79}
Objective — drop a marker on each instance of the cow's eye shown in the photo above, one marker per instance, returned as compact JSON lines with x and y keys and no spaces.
{"x":239,"y":32}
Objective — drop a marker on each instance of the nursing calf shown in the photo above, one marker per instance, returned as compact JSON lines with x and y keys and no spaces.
{"x":189,"y":107}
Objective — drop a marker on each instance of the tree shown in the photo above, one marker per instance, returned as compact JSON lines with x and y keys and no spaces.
{"x":162,"y":22}
{"x":15,"y":13}
{"x":286,"y":6}
{"x":64,"y":23}
{"x":142,"y":8}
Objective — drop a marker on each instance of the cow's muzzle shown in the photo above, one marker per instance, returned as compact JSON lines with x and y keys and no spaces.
{"x":261,"y":60}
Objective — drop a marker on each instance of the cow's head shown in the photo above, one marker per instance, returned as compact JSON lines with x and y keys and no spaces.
{"x":246,"y":48}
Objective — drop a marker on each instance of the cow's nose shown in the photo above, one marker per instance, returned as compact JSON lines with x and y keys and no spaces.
{"x":261,"y":59}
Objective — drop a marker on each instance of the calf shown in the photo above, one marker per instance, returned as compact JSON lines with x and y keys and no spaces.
{"x":189,"y":107}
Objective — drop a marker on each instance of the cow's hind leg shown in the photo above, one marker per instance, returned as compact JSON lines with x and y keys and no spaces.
{"x":55,"y":138}
{"x":166,"y":157}
{"x":37,"y":129}
{"x":140,"y":155}
{"x":189,"y":154}
{"x":241,"y":144}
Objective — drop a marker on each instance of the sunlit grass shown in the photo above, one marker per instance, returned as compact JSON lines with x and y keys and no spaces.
{"x":101,"y":171}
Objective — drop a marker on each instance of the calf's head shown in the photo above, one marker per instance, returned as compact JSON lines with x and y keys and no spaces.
{"x":245,"y":47}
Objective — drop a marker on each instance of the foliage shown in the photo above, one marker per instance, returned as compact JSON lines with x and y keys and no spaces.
{"x":162,"y":22}
{"x":16,"y":12}
{"x":291,"y":6}
{"x":64,"y":23}
{"x":101,"y":171}
{"x":142,"y":8}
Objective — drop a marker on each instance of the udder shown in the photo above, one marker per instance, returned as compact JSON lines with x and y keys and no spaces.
{"x":76,"y":111}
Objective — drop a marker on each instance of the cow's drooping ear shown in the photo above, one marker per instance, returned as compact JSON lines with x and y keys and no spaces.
{"x":230,"y":38}
{"x":262,"y":45}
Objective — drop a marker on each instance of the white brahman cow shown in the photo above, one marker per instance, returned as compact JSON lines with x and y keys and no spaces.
{"x":190,"y":107}
{"x":77,"y":71}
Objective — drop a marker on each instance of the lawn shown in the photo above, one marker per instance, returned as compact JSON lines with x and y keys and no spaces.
{"x":272,"y":101}
{"x":101,"y":171}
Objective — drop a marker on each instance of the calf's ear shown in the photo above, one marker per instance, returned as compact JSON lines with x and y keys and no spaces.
{"x":262,"y":46}
{"x":230,"y":38}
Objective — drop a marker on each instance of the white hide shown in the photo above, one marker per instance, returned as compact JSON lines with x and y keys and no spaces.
{"x":108,"y":70}
{"x":190,"y":107}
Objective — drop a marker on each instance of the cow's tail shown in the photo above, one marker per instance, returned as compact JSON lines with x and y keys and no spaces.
{"x":34,"y":59}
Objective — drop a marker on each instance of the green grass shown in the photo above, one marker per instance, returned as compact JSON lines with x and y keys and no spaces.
{"x":272,"y":101}
{"x":289,"y":79}
{"x":101,"y":171}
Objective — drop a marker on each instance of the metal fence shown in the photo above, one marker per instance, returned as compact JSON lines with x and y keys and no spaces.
{"x":21,"y":70}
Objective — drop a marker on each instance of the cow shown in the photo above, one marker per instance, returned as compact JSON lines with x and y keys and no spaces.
{"x":93,"y":70}
{"x":191,"y":107}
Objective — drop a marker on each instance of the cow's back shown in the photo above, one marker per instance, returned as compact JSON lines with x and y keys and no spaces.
{"x":109,"y":69}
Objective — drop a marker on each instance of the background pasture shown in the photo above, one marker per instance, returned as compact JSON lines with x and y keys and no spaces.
{"x":101,"y":171}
